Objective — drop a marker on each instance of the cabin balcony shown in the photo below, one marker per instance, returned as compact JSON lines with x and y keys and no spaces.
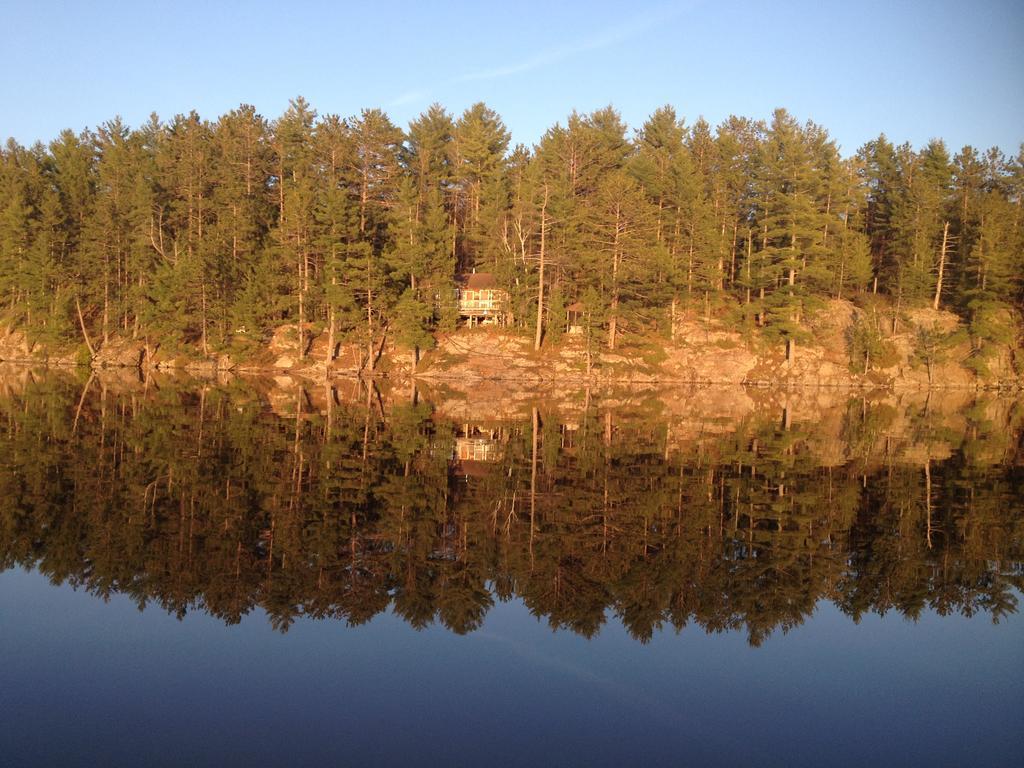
{"x":480,"y":307}
{"x":479,"y":298}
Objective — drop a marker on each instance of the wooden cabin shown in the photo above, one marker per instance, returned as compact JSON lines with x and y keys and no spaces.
{"x":480,"y":298}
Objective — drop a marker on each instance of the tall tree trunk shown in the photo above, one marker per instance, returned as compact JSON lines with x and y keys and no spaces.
{"x":302,"y":309}
{"x":206,"y":348}
{"x":330,"y":337}
{"x":613,"y":321}
{"x":106,"y":302}
{"x":540,"y":282}
{"x":369,"y":328}
{"x":85,"y":334}
{"x":750,"y":260}
{"x":590,"y":361}
{"x":720,"y":279}
{"x":363,"y":199}
{"x":732,"y":256}
{"x":942,"y":265}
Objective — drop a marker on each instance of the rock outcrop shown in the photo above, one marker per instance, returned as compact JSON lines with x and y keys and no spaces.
{"x":700,"y":352}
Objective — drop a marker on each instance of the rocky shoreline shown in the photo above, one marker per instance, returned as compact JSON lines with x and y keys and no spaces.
{"x":700,"y":353}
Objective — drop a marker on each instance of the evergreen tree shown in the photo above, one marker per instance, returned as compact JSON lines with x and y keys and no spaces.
{"x":619,"y":232}
{"x":791,"y":226}
{"x":336,"y":217}
{"x":879,"y":172}
{"x":202,"y":235}
{"x":243,"y":210}
{"x":477,"y":155}
{"x":296,"y":181}
{"x":920,"y":220}
{"x":375,"y":168}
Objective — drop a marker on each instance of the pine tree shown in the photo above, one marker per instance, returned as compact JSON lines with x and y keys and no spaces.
{"x":919,"y":219}
{"x":848,"y":263}
{"x":411,"y":317}
{"x":991,"y":276}
{"x":879,"y":172}
{"x":427,"y":154}
{"x":73,"y":176}
{"x":296,"y":181}
{"x":791,"y":227}
{"x":736,"y":143}
{"x":204,"y":234}
{"x":109,"y":231}
{"x":375,"y":169}
{"x":15,"y":229}
{"x":243,"y":209}
{"x":665,"y":171}
{"x":336,"y":215}
{"x":477,"y":155}
{"x":619,"y":230}
{"x":705,"y":218}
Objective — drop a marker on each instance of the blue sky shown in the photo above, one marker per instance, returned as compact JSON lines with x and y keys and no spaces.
{"x":915,"y":70}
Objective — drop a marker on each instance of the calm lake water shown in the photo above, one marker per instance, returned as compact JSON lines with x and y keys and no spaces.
{"x":253,"y":572}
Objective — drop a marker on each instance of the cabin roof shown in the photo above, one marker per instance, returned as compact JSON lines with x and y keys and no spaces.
{"x":477,"y":280}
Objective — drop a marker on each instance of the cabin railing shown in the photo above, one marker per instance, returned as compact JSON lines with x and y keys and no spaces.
{"x":475,"y":304}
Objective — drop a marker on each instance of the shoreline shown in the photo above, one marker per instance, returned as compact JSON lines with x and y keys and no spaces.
{"x":699,"y":353}
{"x":536,"y":381}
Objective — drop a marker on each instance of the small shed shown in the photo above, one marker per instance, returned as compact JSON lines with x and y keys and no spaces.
{"x":574,"y":314}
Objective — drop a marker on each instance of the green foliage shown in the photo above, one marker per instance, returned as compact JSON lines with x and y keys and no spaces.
{"x":411,"y":319}
{"x":992,"y":326}
{"x":187,"y":231}
{"x":556,"y":315}
{"x":932,"y":346}
{"x":868,"y":346}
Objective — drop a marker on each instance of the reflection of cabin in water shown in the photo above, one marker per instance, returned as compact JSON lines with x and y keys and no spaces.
{"x":480,"y":298}
{"x":477,"y":447}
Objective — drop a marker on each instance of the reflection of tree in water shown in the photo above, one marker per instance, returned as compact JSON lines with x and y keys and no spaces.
{"x":203,"y":499}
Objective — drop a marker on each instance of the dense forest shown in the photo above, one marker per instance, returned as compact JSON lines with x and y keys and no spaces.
{"x":209,"y":235}
{"x":340,"y":506}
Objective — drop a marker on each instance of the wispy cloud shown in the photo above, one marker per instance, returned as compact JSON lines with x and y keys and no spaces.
{"x":409,"y":97}
{"x":620,"y":33}
{"x":610,"y":37}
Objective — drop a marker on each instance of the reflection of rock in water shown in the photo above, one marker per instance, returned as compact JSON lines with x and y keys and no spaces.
{"x":728,"y":509}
